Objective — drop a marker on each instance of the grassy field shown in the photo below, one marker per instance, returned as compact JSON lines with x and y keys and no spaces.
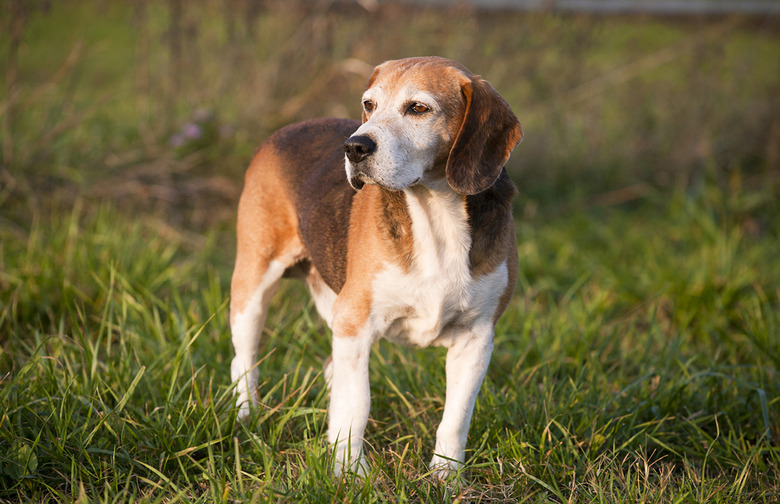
{"x":638,"y":362}
{"x":627,"y":369}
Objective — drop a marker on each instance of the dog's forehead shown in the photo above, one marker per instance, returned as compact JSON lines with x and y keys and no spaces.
{"x":433,"y":76}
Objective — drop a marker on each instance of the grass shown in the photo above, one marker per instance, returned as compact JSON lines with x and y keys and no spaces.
{"x":623,"y":372}
{"x":638,"y":361}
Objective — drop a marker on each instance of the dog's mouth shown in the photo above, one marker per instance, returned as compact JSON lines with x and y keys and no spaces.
{"x":360,"y":179}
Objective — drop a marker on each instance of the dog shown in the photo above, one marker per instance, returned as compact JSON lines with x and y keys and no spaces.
{"x":415,"y":243}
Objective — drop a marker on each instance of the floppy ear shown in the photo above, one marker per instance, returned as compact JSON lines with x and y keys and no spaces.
{"x":487,"y":135}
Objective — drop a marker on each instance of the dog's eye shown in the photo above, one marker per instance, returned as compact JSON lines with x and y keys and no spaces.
{"x":418,"y":108}
{"x":368,"y":106}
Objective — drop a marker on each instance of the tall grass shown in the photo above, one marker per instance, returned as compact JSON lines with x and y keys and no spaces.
{"x":638,"y":362}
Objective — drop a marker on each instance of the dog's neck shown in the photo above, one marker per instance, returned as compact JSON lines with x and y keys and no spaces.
{"x":431,"y":226}
{"x":442,"y":235}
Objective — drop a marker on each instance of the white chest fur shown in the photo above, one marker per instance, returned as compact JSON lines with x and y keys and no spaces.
{"x":422,"y":306}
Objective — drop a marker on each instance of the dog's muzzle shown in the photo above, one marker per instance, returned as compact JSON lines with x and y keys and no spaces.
{"x":357,"y":149}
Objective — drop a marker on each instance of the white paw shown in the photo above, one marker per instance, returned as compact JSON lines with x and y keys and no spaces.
{"x":246,"y":388}
{"x":443,"y":468}
{"x":357,"y":465}
{"x":244,"y":408}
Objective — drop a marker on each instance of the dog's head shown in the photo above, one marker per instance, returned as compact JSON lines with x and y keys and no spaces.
{"x":428,"y":118}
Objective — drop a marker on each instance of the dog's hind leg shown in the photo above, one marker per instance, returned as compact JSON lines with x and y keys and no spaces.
{"x":268,"y":245}
{"x":252,"y":288}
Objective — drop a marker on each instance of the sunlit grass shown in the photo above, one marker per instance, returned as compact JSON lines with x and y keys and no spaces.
{"x":638,"y":361}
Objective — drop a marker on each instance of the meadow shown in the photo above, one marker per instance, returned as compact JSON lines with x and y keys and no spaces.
{"x":639,"y":360}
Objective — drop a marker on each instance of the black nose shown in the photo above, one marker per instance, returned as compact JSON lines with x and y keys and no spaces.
{"x":358,"y":148}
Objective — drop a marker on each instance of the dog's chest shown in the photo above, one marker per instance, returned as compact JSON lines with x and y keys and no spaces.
{"x":425,"y":303}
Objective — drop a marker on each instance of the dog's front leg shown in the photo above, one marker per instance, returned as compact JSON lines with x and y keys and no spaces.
{"x":467,"y":361}
{"x":350,"y":400}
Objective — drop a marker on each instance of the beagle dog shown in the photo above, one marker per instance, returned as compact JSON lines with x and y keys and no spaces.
{"x":415,"y":243}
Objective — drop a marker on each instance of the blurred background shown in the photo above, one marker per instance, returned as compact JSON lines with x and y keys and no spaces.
{"x":159,"y":106}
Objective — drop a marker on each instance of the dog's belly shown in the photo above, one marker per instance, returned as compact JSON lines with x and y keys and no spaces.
{"x":412,"y":310}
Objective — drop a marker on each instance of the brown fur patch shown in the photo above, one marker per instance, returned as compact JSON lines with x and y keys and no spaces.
{"x":364,"y":255}
{"x":397,"y":224}
{"x":512,"y":266}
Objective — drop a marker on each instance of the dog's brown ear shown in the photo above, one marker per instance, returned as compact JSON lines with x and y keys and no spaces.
{"x":487,"y":135}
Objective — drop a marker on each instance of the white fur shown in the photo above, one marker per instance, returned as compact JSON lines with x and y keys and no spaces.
{"x":414,"y":308}
{"x":467,"y":362}
{"x":350,"y":400}
{"x":468,"y":357}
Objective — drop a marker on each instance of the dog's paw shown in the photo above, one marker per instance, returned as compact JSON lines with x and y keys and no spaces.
{"x":245,"y":383}
{"x":244,"y":408}
{"x":445,"y":469}
{"x":244,"y":401}
{"x":358,"y":466}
